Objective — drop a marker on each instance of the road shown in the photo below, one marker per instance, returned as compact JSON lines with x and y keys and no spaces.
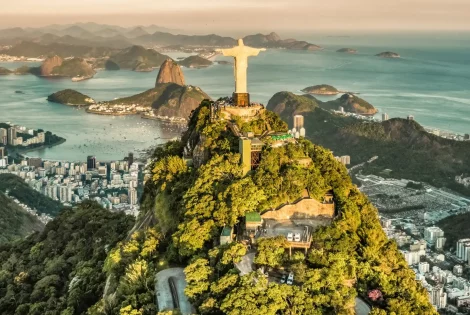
{"x":163,"y":292}
{"x":361,"y":307}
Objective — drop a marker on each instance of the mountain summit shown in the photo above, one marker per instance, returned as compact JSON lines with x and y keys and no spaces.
{"x":170,"y":72}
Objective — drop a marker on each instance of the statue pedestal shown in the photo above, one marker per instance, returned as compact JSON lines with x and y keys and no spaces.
{"x":241,"y":99}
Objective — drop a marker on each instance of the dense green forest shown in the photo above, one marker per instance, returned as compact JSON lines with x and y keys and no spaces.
{"x":401,"y":145}
{"x":59,"y":270}
{"x":190,"y":205}
{"x":20,"y":190}
{"x":15,"y":222}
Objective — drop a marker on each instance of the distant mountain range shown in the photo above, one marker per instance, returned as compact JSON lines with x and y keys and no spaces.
{"x":116,"y":37}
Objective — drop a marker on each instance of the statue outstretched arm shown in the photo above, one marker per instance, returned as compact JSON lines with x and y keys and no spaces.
{"x":255,"y":51}
{"x":227,"y":52}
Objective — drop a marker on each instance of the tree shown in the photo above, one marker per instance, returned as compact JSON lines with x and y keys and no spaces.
{"x":198,"y":275}
{"x":271,"y":251}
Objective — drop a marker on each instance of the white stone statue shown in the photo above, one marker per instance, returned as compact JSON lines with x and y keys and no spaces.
{"x":240,"y":53}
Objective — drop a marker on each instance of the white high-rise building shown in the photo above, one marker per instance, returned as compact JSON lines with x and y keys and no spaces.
{"x":132,"y":194}
{"x":298,"y":122}
{"x":440,"y":242}
{"x":432,"y":233}
{"x":411,"y":257}
{"x":384,"y":117}
{"x":437,"y":296}
{"x":302,"y":132}
{"x":423,"y":267}
{"x":463,"y":246}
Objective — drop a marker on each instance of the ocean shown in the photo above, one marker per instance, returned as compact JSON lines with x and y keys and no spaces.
{"x":431,"y":81}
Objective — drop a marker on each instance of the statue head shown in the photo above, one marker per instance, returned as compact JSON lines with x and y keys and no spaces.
{"x":240,"y":42}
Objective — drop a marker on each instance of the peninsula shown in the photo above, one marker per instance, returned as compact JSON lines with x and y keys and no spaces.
{"x":170,"y":100}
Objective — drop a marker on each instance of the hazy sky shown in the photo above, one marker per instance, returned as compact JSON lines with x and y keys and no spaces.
{"x":228,"y":15}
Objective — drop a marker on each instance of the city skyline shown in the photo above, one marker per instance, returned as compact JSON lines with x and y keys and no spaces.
{"x":206,"y":15}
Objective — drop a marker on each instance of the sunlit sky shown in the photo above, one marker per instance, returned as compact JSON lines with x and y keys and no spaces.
{"x":229,"y":15}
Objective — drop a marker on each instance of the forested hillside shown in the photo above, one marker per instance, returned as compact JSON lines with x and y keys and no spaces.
{"x":18,"y":189}
{"x":60,"y":270}
{"x":190,"y":205}
{"x":15,"y":222}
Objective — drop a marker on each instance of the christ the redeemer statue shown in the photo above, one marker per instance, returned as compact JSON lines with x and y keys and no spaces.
{"x":240,"y":53}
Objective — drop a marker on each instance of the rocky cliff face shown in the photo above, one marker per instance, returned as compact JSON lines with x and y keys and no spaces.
{"x":170,"y":72}
{"x":49,"y":64}
{"x":179,"y":101}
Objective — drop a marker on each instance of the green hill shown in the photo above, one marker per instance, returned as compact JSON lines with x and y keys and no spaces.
{"x":33,"y":50}
{"x":168,"y":99}
{"x":192,"y":203}
{"x":75,"y":67}
{"x":59,"y":271}
{"x":20,"y":190}
{"x":132,"y":57}
{"x":401,"y":145}
{"x":351,"y":103}
{"x":15,"y":222}
{"x":70,"y":97}
{"x":291,"y":104}
{"x":455,"y":227}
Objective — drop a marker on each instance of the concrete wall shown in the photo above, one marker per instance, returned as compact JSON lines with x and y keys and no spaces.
{"x":304,"y":209}
{"x":246,"y":113}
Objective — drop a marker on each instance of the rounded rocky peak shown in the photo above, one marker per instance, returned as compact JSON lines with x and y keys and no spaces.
{"x":273,"y":37}
{"x":49,"y":64}
{"x":170,"y":72}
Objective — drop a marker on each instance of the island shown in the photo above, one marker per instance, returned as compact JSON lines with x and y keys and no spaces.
{"x":195,"y":62}
{"x":388,"y":54}
{"x":322,"y":89}
{"x":71,"y":97}
{"x":347,"y":50}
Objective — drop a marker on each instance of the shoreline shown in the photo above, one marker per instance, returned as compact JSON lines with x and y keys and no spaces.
{"x":45,"y":146}
{"x":110,"y":114}
{"x":167,"y":120}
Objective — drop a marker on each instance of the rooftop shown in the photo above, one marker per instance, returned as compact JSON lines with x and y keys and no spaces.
{"x":226,"y":231}
{"x":253,"y":217}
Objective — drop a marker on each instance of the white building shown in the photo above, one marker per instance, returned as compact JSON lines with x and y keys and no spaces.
{"x":411,"y":257}
{"x":432,"y":233}
{"x":440,"y":242}
{"x":423,"y":267}
{"x":298,"y":122}
{"x":463,"y":247}
{"x":458,"y":270}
